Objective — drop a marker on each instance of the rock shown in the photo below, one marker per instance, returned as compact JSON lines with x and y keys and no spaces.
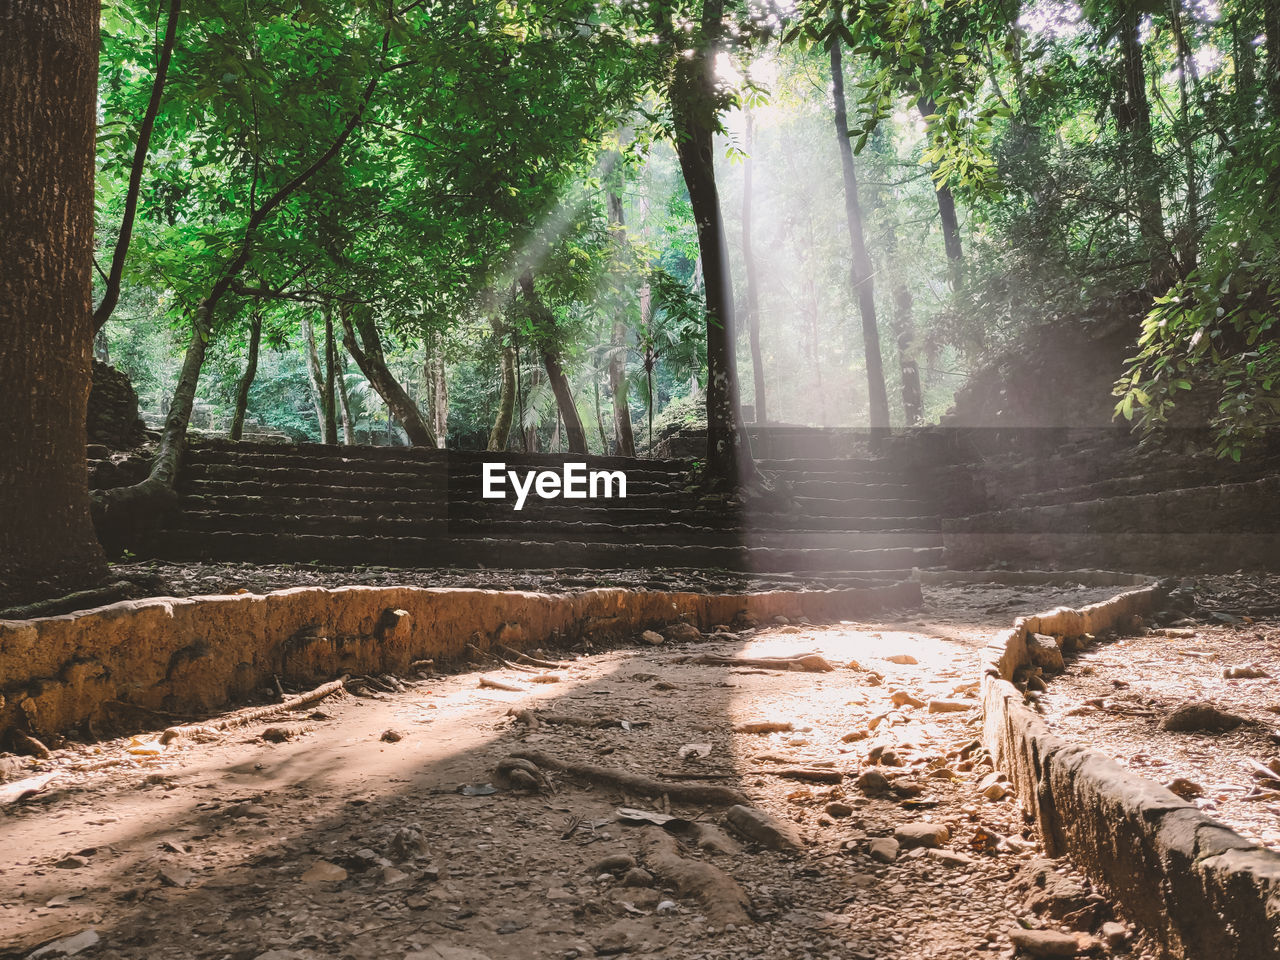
{"x":666,"y":906}
{"x":1114,"y":934}
{"x":907,"y":788}
{"x":764,"y":829}
{"x":391,"y":736}
{"x":1047,"y":943}
{"x":71,"y":863}
{"x":854,"y":736}
{"x":902,"y":659}
{"x":950,"y":858}
{"x":683,"y":633}
{"x":1049,"y":892}
{"x":901,"y":698}
{"x":614,"y":863}
{"x":922,"y":834}
{"x":883,"y":849}
{"x":407,"y":843}
{"x":67,"y":946}
{"x":1186,"y":789}
{"x":1045,"y":653}
{"x":839,"y":811}
{"x":650,"y":636}
{"x":390,"y":875}
{"x":112,"y":414}
{"x":1200,"y":716}
{"x":275,"y":734}
{"x":873,"y":783}
{"x":1246,"y":671}
{"x":949,"y":706}
{"x":637,"y":877}
{"x":322,"y":871}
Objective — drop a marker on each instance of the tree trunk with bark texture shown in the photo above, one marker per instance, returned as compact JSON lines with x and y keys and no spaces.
{"x":946,"y":211}
{"x":693,"y":89}
{"x":111,"y":295}
{"x":437,"y":388}
{"x":507,"y":395}
{"x":314,"y":372}
{"x":348,"y":422}
{"x":860,"y":263}
{"x":328,"y":399}
{"x":749,"y":267}
{"x":367,"y":352}
{"x":544,"y":322}
{"x":624,"y":437}
{"x":246,"y":381}
{"x":48,"y":120}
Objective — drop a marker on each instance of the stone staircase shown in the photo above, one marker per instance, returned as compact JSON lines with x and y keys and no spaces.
{"x":837,"y":521}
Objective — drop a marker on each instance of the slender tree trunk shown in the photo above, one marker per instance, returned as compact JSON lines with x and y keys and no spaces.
{"x":946,"y":209}
{"x":626,"y":442}
{"x":749,"y":267}
{"x":367,"y":353}
{"x":314,"y":372}
{"x":48,"y":103}
{"x":530,"y":432}
{"x":551,"y":362}
{"x":507,"y":395}
{"x":344,"y":401}
{"x":908,"y":365}
{"x":693,"y":98}
{"x":1271,"y":28}
{"x":604,"y":439}
{"x":330,"y":404}
{"x":860,"y":264}
{"x":111,"y":294}
{"x":246,"y":381}
{"x":438,"y":384}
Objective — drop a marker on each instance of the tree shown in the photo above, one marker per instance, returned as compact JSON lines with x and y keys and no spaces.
{"x":246,"y":380}
{"x":48,"y":99}
{"x":749,"y":264}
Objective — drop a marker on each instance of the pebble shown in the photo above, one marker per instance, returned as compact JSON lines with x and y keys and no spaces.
{"x":322,"y":871}
{"x":839,"y":810}
{"x":922,"y":834}
{"x":883,"y":849}
{"x":650,"y":636}
{"x":901,"y":698}
{"x":873,"y":782}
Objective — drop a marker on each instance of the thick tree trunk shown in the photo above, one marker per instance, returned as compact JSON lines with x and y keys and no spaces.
{"x":544,"y":323}
{"x":111,"y":295}
{"x":48,"y":103}
{"x":693,"y":98}
{"x":625,"y":439}
{"x":507,"y":394}
{"x":314,"y":372}
{"x":329,"y":401}
{"x":946,"y":211}
{"x":246,"y":381}
{"x":367,"y":352}
{"x":749,"y":267}
{"x":860,"y":263}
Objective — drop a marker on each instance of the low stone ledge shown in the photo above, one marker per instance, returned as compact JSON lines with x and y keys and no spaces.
{"x":1017,"y":578}
{"x":1201,"y":888}
{"x":198,"y":654}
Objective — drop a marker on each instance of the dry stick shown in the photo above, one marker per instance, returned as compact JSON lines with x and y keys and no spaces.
{"x":260,"y":713}
{"x":532,"y":661}
{"x":633,"y":783}
{"x":810,"y":662}
{"x":723,"y":900}
{"x":487,"y":684}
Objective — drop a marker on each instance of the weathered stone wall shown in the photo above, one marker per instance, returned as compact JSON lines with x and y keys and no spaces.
{"x":113,"y":409}
{"x":1201,"y":888}
{"x":189,"y":655}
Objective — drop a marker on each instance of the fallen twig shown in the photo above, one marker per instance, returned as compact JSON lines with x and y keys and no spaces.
{"x":249,"y":716}
{"x":532,"y":661}
{"x":487,"y":684}
{"x":807,"y":662}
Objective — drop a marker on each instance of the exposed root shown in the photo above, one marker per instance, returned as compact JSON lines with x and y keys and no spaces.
{"x":635,"y":784}
{"x":260,"y":713}
{"x":811,"y":774}
{"x":519,"y":657}
{"x":723,"y":900}
{"x":488,"y":684}
{"x":764,"y":726}
{"x":808,"y":662}
{"x":535,"y":718}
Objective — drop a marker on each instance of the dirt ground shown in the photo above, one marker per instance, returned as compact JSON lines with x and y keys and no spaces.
{"x":375,"y":825}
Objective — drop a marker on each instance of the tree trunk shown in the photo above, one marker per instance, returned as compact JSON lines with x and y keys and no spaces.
{"x":860,"y":264}
{"x":348,"y":422}
{"x":1271,"y":28}
{"x":437,"y":388}
{"x":48,"y":119}
{"x":749,"y":267}
{"x":693,"y":98}
{"x":1137,"y":123}
{"x":908,"y":365}
{"x":246,"y":381}
{"x":111,"y":295}
{"x":626,"y":443}
{"x":507,"y":395}
{"x":328,"y":400}
{"x":314,"y":372}
{"x":544,"y":323}
{"x":946,"y":210}
{"x":367,"y":352}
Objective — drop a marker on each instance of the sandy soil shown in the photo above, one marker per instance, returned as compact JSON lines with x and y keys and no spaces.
{"x":342,"y":841}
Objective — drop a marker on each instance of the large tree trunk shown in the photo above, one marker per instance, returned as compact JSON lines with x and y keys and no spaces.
{"x":111,"y":295}
{"x":507,"y":395}
{"x":246,"y":381}
{"x":367,"y":351}
{"x":48,"y":119}
{"x":314,"y":372}
{"x":693,"y":99}
{"x":1136,"y":121}
{"x":749,"y":267}
{"x":329,"y":401}
{"x":625,"y":439}
{"x":860,"y":263}
{"x":543,"y":322}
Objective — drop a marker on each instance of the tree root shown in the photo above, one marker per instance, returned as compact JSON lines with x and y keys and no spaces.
{"x":488,"y":684}
{"x":519,"y":657}
{"x":722,"y":899}
{"x":808,"y":662}
{"x":535,"y":718}
{"x":260,"y":713}
{"x":635,"y":784}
